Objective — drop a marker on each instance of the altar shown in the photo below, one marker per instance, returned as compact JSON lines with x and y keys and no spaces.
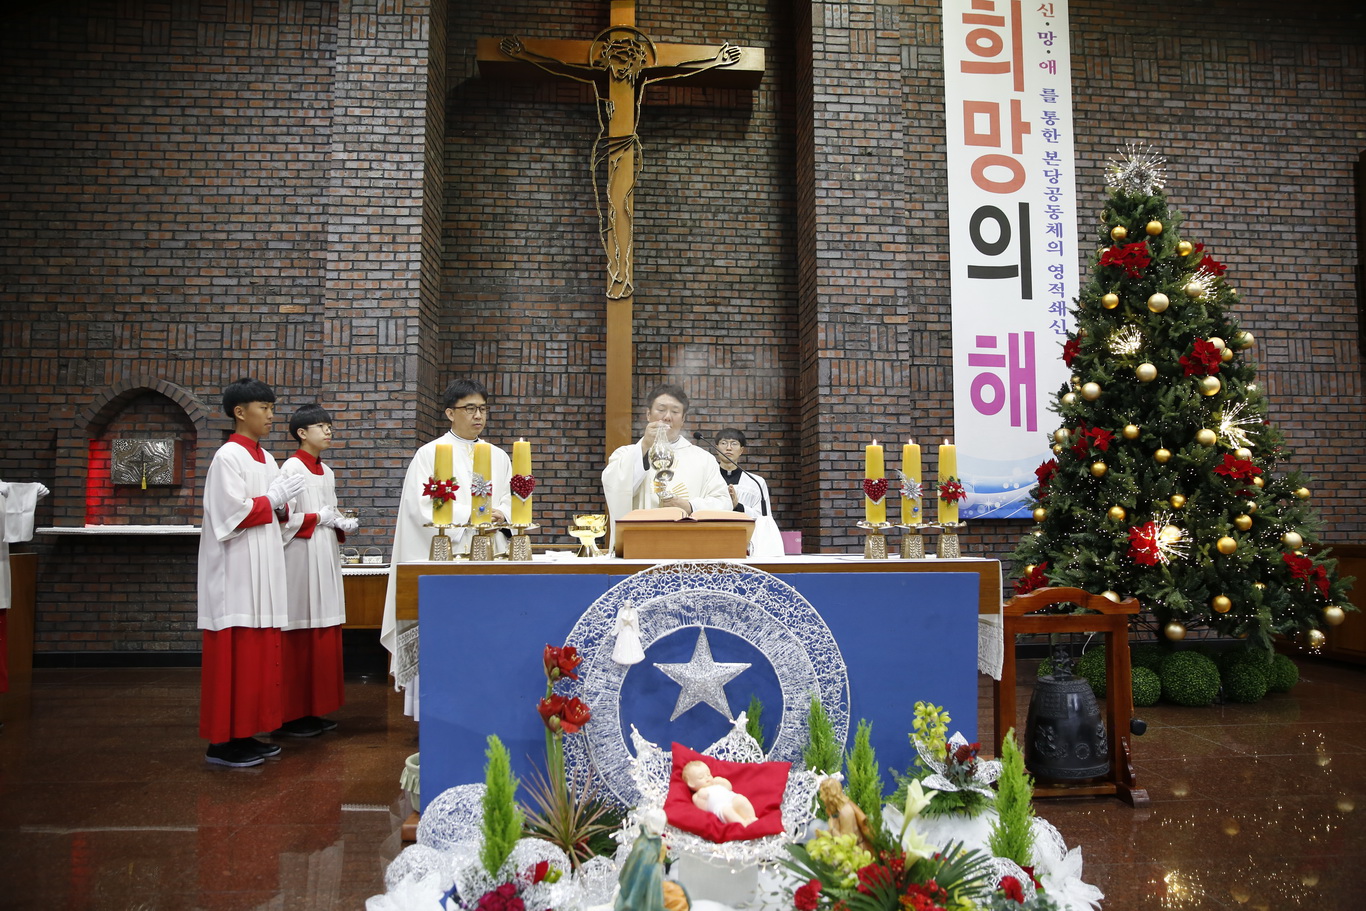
{"x":867,"y":637}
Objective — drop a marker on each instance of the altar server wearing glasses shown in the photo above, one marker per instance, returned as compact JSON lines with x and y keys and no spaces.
{"x":748,"y":493}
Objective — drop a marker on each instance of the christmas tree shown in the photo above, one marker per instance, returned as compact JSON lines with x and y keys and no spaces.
{"x":1166,"y":485}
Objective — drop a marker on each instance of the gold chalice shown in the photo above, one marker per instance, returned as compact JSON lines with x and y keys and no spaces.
{"x":588,"y":528}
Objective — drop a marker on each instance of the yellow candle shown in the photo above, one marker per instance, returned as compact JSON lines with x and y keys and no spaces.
{"x":442,"y":471}
{"x":912,"y":512}
{"x":874,"y":469}
{"x":948,"y":469}
{"x":480,"y":512}
{"x":521,"y":468}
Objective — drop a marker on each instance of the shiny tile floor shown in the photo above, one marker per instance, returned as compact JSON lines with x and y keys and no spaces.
{"x":106,"y":803}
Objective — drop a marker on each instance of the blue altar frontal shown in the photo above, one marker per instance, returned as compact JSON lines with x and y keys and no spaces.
{"x":869,"y":638}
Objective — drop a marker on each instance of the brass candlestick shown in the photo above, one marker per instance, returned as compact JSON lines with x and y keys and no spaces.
{"x":481,"y":545}
{"x":913,"y":543}
{"x":875,"y":544}
{"x":948,"y":541}
{"x":519,"y":547}
{"x":442,"y":548}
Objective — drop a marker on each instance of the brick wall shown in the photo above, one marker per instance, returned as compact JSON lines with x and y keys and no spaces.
{"x":326,"y":196}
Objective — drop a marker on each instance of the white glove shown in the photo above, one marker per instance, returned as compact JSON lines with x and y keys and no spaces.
{"x":284,"y":488}
{"x":43,"y":491}
{"x":329,"y":517}
{"x":346,"y":526}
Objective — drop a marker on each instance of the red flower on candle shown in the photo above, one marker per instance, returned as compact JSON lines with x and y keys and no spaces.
{"x":522,"y":485}
{"x":951,"y":491}
{"x":440,"y":490}
{"x":875,"y":489}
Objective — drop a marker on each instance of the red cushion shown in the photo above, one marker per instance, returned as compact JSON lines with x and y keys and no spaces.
{"x":762,"y":782}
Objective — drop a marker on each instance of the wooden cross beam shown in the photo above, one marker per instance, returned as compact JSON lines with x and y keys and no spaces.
{"x":619,"y":64}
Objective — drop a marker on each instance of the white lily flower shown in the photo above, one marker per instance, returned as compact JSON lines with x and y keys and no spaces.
{"x":917,"y":799}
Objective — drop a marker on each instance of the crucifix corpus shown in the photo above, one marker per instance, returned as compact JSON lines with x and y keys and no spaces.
{"x":618,"y":64}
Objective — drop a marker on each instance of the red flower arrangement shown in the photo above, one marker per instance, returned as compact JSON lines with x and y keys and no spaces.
{"x":1213,"y":266}
{"x":808,"y":897}
{"x":1087,"y":437}
{"x":1237,"y":469}
{"x":1143,"y":544}
{"x":1070,"y":350}
{"x":1132,"y":258}
{"x":560,"y":662}
{"x":1203,"y":360}
{"x":1035,"y":578}
{"x":951,"y":491}
{"x":563,"y":715}
{"x":440,"y":489}
{"x":1304,"y":568}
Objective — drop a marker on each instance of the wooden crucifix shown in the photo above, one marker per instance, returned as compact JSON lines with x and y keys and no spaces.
{"x":619,"y":64}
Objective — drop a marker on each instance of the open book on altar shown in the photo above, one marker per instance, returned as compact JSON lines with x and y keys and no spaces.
{"x":667,"y":533}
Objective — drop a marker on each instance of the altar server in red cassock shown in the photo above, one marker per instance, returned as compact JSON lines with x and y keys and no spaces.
{"x":243,"y":605}
{"x":312,"y":641}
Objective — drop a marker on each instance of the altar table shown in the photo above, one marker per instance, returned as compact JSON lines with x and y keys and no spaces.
{"x":905,"y":629}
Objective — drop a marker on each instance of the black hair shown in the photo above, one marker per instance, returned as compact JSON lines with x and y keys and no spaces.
{"x":668,"y":389}
{"x":731,"y":433}
{"x":460,"y":389}
{"x":244,"y":392}
{"x":307,"y":416}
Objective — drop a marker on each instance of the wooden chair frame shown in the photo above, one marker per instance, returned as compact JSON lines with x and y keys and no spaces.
{"x":1112,"y":620}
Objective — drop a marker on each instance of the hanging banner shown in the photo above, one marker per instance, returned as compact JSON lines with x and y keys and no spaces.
{"x":1013,"y":242}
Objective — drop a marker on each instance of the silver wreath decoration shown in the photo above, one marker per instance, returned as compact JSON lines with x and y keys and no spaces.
{"x":745,"y":602}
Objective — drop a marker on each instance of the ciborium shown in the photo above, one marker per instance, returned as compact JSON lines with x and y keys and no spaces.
{"x":588,"y":528}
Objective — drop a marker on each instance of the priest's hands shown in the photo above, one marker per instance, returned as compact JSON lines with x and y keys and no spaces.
{"x":284,"y":488}
{"x":653,"y":431}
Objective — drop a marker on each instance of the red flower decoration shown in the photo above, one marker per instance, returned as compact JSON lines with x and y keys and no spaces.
{"x":440,"y":489}
{"x":872,"y":877}
{"x":1143,"y":544}
{"x":561,"y":662}
{"x":875,"y":489}
{"x":1070,"y":350}
{"x":1045,"y":473}
{"x":951,"y":491}
{"x":1132,"y":258}
{"x":1035,"y":578}
{"x":1213,"y":266}
{"x":504,"y":898}
{"x":522,"y":485}
{"x":563,"y":715}
{"x":1236,"y":469}
{"x":1012,"y":889}
{"x":1082,"y":445}
{"x":1101,"y":438}
{"x":1203,"y":360}
{"x":808,"y":897}
{"x":1304,"y":568}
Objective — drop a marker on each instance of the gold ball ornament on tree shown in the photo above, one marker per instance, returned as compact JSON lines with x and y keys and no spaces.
{"x":1162,"y":456}
{"x":1206,"y":437}
{"x":1119,"y":232}
{"x":1334,"y":615}
{"x":1242,"y":522}
{"x":1040,"y":514}
{"x":1210,"y":385}
{"x":1159,"y":302}
{"x":1057,"y":449}
{"x":1245,"y":340}
{"x":1146,"y":373}
{"x":1090,"y":391}
{"x":1293,"y":540}
{"x":1226,"y":545}
{"x":1184,"y":248}
{"x":1250,"y":506}
{"x":1316,"y":638}
{"x":1070,"y":398}
{"x":1258,"y":482}
{"x":1061,"y":435}
{"x":1075,"y":381}
{"x":1110,"y":301}
{"x":1218,"y":343}
{"x":1116,"y":513}
{"x":1098,"y":469}
{"x":1153,"y":228}
{"x":1221,"y":603}
{"x":1194,"y":290}
{"x":1226,"y":355}
{"x":1174,"y":631}
{"x":1243,"y":453}
{"x":1111,"y":594}
{"x":1302,"y":493}
{"x":1131,"y":431}
{"x":1177,"y":500}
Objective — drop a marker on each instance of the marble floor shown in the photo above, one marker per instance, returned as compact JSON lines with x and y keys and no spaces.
{"x":106,"y":803}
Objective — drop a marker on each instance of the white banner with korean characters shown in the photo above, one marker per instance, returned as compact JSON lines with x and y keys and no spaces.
{"x":1013,"y":242}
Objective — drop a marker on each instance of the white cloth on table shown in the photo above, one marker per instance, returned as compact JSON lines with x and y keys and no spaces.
{"x":312,"y":565}
{"x":628,"y":484}
{"x":241,"y":570}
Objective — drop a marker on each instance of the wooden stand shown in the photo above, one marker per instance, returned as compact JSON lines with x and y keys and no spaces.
{"x":684,"y":539}
{"x":1112,"y":620}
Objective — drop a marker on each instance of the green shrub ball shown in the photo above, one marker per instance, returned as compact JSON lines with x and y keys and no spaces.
{"x":1283,"y":675}
{"x":1244,"y":681}
{"x":1091,"y":666}
{"x":1147,"y":687}
{"x":1189,"y":678}
{"x":1149,"y":655}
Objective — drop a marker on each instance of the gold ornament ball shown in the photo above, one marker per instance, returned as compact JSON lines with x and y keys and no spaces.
{"x":1221,"y":603}
{"x":1098,"y":469}
{"x":1061,"y":434}
{"x":1111,"y":594}
{"x":1243,"y":453}
{"x":1258,"y":482}
{"x":1226,"y":545}
{"x":1117,"y":513}
{"x":1119,"y":232}
{"x":1302,"y":493}
{"x":1159,"y":302}
{"x":1110,"y":301}
{"x":1090,"y":392}
{"x":1163,"y":456}
{"x":1260,"y":586}
{"x":1083,"y":332}
{"x":1057,"y":449}
{"x":1075,"y":381}
{"x":1251,"y":506}
{"x":1040,"y":514}
{"x":1245,"y":340}
{"x":1130,"y":431}
{"x":1206,"y":437}
{"x":1292,"y":540}
{"x":1242,"y":522}
{"x":1210,"y":385}
{"x":1145,"y":372}
{"x":1177,"y":500}
{"x":1174,"y":631}
{"x":1334,"y":615}
{"x":1316,"y":639}
{"x":1218,"y":343}
{"x":1226,"y":355}
{"x":1153,"y":228}
{"x":1185,"y":247}
{"x":1194,"y":291}
{"x":1070,"y":398}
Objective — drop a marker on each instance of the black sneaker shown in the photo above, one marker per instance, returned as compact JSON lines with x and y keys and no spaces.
{"x":308,"y":726}
{"x":233,"y":755}
{"x":327,"y":724}
{"x":264,"y":750}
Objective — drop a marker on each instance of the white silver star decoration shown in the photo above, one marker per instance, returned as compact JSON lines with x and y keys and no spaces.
{"x":702,"y":679}
{"x":1141,"y":170}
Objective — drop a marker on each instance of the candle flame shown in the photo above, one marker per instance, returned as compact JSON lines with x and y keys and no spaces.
{"x":874,"y":442}
{"x":946,"y":442}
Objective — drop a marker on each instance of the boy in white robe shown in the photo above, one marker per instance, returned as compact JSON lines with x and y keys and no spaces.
{"x":243,"y":605}
{"x":748,"y":494}
{"x":467,"y":409}
{"x":312,"y":641}
{"x":17,"y":502}
{"x":628,"y":481}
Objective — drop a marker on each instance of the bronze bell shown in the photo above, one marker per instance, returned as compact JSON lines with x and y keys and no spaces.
{"x":1065,"y":734}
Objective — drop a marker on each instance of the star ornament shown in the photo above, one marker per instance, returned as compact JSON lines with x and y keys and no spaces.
{"x":702,"y":679}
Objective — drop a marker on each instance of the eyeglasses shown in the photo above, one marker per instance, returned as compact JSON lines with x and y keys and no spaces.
{"x":472,"y":410}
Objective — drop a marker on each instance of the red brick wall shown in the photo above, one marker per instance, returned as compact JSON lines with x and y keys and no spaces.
{"x":326,"y":196}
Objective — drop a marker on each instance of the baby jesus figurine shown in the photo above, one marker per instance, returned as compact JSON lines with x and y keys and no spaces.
{"x":715,"y":795}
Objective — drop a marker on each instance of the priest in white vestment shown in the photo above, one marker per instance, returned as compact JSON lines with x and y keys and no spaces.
{"x":628,"y":481}
{"x":467,"y":409}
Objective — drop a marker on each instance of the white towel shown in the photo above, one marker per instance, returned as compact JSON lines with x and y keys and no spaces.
{"x":19,"y":508}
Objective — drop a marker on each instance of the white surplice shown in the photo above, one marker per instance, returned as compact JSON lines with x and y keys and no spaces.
{"x":313,"y":564}
{"x":752,"y":492}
